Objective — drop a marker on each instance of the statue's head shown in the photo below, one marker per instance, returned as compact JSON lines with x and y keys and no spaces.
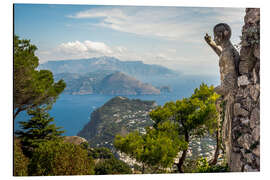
{"x":222,"y":33}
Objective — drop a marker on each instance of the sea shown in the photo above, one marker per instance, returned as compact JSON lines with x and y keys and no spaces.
{"x":72,"y":112}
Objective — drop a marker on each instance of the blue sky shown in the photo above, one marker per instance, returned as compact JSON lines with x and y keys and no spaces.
{"x":168,"y":36}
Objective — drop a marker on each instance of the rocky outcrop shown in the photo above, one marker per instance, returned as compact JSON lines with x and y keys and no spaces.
{"x":241,"y":120}
{"x":74,"y":140}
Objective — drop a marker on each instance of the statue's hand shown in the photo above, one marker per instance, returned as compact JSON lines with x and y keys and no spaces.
{"x":207,"y":38}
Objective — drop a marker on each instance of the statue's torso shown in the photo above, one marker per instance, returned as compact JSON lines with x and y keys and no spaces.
{"x":227,"y":63}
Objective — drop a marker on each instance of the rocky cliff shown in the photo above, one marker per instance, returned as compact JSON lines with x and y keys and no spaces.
{"x":241,"y":110}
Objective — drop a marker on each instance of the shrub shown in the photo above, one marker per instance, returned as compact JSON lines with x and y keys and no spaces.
{"x":112,"y":166}
{"x":20,"y":161}
{"x":59,"y":158}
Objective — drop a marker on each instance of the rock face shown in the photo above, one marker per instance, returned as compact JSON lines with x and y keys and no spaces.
{"x":74,"y":140}
{"x":119,"y":115}
{"x":241,"y":122}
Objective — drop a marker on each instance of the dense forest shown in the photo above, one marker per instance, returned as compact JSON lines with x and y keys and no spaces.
{"x":41,"y":150}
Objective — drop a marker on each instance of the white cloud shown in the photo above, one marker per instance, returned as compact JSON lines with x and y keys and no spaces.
{"x":171,"y":23}
{"x":86,"y":47}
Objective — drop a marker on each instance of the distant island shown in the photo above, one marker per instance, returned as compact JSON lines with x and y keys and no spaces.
{"x":116,"y":83}
{"x":119,"y":115}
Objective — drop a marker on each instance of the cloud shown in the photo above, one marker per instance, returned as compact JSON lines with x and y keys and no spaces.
{"x":170,"y":23}
{"x":86,"y":47}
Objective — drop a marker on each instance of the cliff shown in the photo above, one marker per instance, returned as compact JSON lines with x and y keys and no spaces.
{"x":241,"y":118}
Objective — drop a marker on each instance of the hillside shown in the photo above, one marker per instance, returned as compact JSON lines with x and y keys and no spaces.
{"x":107,"y":82}
{"x":119,"y":115}
{"x":119,"y":83}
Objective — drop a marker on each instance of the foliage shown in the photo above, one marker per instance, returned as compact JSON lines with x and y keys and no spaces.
{"x":194,"y":116}
{"x":112,"y":166}
{"x":20,"y":161}
{"x":32,"y":88}
{"x":37,"y":129}
{"x":204,"y":167}
{"x":59,"y":158}
{"x":100,"y":153}
{"x":157,"y":148}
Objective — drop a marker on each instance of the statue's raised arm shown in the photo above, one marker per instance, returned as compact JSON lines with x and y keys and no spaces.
{"x":212,"y":44}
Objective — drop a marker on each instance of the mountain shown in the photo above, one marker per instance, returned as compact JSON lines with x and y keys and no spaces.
{"x":106,"y":82}
{"x":119,"y":115}
{"x":119,"y":83}
{"x":84,"y":66}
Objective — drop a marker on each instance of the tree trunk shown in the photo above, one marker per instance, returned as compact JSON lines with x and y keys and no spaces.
{"x":183,"y":157}
{"x":214,"y":161}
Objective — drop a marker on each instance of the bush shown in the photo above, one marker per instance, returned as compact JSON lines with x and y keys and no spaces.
{"x":20,"y":161}
{"x":59,"y":158}
{"x":112,"y":166}
{"x":204,"y":167}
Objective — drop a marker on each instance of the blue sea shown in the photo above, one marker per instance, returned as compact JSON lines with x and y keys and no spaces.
{"x":72,"y":112}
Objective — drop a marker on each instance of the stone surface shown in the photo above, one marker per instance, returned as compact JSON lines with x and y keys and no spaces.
{"x":74,"y":140}
{"x":245,"y":141}
{"x":254,"y":118}
{"x":256,"y":133}
{"x":256,"y":151}
{"x":237,"y":164}
{"x":238,"y":111}
{"x":248,"y":168}
{"x":249,"y":157}
{"x":243,"y":80}
{"x":244,"y":121}
{"x":255,"y":92}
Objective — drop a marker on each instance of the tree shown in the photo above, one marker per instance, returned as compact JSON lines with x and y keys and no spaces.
{"x":194,"y":116}
{"x":32,"y":88}
{"x":56,"y":157}
{"x":38,"y":129}
{"x":155,"y":149}
{"x":20,"y":161}
{"x":112,"y":166}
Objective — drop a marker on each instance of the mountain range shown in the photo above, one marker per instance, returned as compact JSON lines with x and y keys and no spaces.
{"x":108,"y":75}
{"x":83,"y":66}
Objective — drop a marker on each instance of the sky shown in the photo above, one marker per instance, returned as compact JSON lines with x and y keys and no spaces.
{"x":169,"y":36}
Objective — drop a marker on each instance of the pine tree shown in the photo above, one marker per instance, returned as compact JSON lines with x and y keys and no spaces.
{"x":32,"y":88}
{"x":38,"y":129}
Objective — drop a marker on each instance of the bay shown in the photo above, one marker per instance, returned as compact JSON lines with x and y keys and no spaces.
{"x":72,"y":112}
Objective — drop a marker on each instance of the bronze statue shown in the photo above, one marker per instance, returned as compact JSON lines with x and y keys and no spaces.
{"x":228,"y":58}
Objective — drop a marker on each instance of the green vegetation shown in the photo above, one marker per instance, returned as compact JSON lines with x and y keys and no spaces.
{"x":204,"y":167}
{"x":174,"y":124}
{"x":32,"y":88}
{"x":156,"y":149}
{"x":112,"y":166}
{"x":20,"y":161}
{"x":38,"y":129}
{"x":59,"y":158}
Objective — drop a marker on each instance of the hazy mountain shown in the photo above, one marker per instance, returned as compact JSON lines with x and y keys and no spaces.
{"x":83,"y":66}
{"x":106,"y":82}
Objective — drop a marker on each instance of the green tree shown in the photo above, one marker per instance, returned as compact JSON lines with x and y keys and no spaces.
{"x":32,"y":88}
{"x":20,"y":161}
{"x":155,"y":149}
{"x":38,"y":129}
{"x":56,"y":157}
{"x":112,"y":166}
{"x":194,"y":116}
